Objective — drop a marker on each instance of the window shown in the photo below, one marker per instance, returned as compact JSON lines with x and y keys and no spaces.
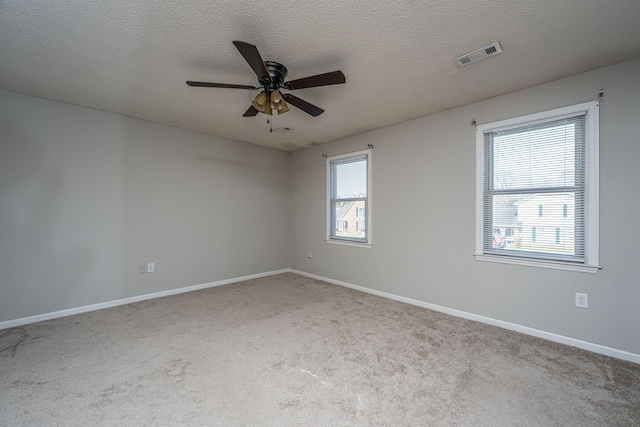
{"x":349,"y":198}
{"x":540,"y":173}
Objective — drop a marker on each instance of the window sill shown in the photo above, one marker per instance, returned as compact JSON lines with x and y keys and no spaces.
{"x":348,"y":243}
{"x":540,"y":263}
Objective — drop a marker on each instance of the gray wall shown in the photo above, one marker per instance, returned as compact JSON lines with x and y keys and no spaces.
{"x":86,"y":196}
{"x":424,"y":216}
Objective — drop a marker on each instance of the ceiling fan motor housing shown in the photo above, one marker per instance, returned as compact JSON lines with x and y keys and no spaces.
{"x":278,"y":73}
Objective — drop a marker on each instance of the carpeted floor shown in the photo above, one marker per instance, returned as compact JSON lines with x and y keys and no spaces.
{"x":287,"y":350}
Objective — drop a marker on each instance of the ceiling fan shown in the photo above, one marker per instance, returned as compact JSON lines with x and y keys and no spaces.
{"x":271,"y":76}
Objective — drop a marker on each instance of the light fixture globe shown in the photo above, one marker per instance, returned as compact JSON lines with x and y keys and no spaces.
{"x":277,"y":103}
{"x":262,"y":104}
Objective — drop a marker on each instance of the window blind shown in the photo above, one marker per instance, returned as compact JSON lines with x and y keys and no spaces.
{"x":534,"y":190}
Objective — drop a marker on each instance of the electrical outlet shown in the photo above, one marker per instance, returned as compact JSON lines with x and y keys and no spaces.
{"x":309,"y":255}
{"x":151,"y":267}
{"x":142,"y":269}
{"x":582,"y":300}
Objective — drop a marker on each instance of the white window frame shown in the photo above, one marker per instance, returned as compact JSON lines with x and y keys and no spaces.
{"x":592,"y":239}
{"x":330,"y":235}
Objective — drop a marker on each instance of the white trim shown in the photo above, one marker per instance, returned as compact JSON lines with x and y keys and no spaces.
{"x":346,"y":242}
{"x":592,"y":185}
{"x":129,"y":300}
{"x":592,"y":169}
{"x":595,"y":348}
{"x":369,"y":209}
{"x":562,"y":112}
{"x":556,"y":265}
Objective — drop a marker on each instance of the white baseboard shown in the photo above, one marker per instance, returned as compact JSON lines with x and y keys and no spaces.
{"x":596,"y":348}
{"x":123,"y":301}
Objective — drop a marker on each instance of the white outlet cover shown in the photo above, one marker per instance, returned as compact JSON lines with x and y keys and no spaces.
{"x":582,"y":300}
{"x":151,"y":267}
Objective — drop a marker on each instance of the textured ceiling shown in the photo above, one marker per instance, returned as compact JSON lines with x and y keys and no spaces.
{"x":133,"y":57}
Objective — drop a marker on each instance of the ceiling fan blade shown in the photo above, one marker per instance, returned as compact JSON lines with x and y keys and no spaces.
{"x":252,"y":56}
{"x":223,"y":85}
{"x":250,"y":112}
{"x":326,"y":79}
{"x":303,"y":105}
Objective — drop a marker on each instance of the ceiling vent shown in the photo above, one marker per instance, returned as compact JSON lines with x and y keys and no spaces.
{"x":282,"y":130}
{"x":479,"y":54}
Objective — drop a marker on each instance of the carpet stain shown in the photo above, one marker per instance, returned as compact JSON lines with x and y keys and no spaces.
{"x":422,"y":353}
{"x":290,"y":403}
{"x":361,"y":407}
{"x":433,"y":342}
{"x":420,"y":335}
{"x":177,"y":370}
{"x":116,"y":393}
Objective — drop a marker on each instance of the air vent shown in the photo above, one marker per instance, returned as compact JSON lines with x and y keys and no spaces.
{"x":282,"y":130}
{"x":479,"y":54}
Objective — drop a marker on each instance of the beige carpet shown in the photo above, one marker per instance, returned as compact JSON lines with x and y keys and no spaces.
{"x":287,"y":350}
